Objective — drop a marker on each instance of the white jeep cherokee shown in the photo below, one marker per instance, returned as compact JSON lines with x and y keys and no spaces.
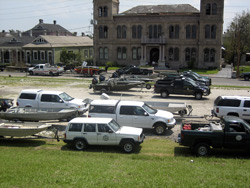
{"x":82,"y":132}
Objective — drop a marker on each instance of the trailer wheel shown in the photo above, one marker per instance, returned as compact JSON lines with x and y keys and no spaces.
{"x":182,"y":112}
{"x":31,"y":73}
{"x":148,"y":86}
{"x":103,"y":91}
{"x":51,"y":73}
{"x":246,"y":78}
{"x":202,"y":150}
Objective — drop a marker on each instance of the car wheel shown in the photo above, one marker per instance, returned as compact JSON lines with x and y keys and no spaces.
{"x":51,"y":73}
{"x":80,"y":144}
{"x":246,"y":78}
{"x":164,"y":94}
{"x":148,"y":86}
{"x":202,"y":149}
{"x":198,"y":96}
{"x":128,"y":146}
{"x":31,"y":73}
{"x":160,"y":129}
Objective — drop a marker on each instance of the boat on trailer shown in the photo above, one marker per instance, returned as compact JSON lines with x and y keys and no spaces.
{"x":37,"y":114}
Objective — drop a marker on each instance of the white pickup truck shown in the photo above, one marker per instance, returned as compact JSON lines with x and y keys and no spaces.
{"x":45,"y":69}
{"x":82,"y":132}
{"x":134,"y":114}
{"x":36,"y":98}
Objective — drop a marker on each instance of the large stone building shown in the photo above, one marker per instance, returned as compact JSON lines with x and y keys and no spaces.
{"x":174,"y":35}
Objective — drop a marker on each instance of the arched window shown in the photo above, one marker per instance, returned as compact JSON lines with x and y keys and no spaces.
{"x":207,"y":31}
{"x":139,"y":53}
{"x":213,"y":32}
{"x":171,"y":54}
{"x":139,"y":31}
{"x":188,"y":32}
{"x":159,"y":31}
{"x":187,"y":55}
{"x":208,"y":9}
{"x":119,"y":32}
{"x":171,"y":32}
{"x":177,"y":30}
{"x":101,"y":53}
{"x":155,"y":31}
{"x":212,"y":55}
{"x":100,"y":11}
{"x":176,"y":54}
{"x":105,"y":11}
{"x":194,"y":32}
{"x":150,"y":31}
{"x":124,"y":32}
{"x":133,"y":31}
{"x":106,"y":53}
{"x":193,"y":54}
{"x":105,"y":32}
{"x":134,"y":53}
{"x":119,"y":53}
{"x":214,"y":9}
{"x":206,"y":55}
{"x":124,"y":53}
{"x":100,"y":32}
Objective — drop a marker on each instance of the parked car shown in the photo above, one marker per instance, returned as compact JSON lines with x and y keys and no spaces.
{"x":180,"y":86}
{"x":88,"y":70}
{"x":133,"y":113}
{"x":245,"y":75}
{"x":37,"y":98}
{"x":232,"y":105}
{"x":199,"y":76}
{"x":82,"y":132}
{"x":45,"y":69}
{"x":193,"y":76}
{"x":231,"y":133}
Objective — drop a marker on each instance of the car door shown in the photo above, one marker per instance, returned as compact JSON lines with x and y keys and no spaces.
{"x":90,"y":133}
{"x":52,"y":101}
{"x":188,"y":88}
{"x":105,"y":136}
{"x":124,"y":118}
{"x":141,"y":118}
{"x":245,"y":110}
{"x":237,"y":136}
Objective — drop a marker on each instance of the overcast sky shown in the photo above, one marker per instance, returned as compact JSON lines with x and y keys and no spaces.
{"x":75,"y":15}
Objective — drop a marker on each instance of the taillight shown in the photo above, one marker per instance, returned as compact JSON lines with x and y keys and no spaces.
{"x":217,"y":110}
{"x":64,"y":135}
{"x":17,"y":104}
{"x":89,"y":115}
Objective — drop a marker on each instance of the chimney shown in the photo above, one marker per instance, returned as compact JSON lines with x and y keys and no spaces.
{"x":83,"y":34}
{"x":30,"y":33}
{"x":54,"y":22}
{"x":3,"y":31}
{"x":40,"y":21}
{"x":19,"y":33}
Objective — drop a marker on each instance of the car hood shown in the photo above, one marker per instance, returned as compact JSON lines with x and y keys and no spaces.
{"x":129,"y":131}
{"x":77,"y":101}
{"x":164,"y":114}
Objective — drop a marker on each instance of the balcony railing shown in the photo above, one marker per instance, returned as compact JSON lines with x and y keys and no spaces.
{"x":147,"y":40}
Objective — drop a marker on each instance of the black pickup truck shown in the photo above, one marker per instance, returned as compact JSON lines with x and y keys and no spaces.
{"x":230,"y":132}
{"x":180,"y":86}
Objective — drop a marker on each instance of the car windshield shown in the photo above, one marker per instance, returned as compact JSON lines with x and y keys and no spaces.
{"x":65,"y":97}
{"x":114,"y":125}
{"x":149,"y":109}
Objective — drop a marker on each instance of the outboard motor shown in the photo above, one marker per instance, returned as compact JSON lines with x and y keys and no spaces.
{"x":101,"y":78}
{"x":94,"y":80}
{"x":4,"y":106}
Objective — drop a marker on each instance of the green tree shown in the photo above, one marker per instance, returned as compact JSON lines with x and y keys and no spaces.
{"x":237,"y":38}
{"x":64,"y":56}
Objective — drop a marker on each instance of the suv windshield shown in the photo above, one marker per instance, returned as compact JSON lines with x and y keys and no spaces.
{"x":149,"y":109}
{"x":65,"y":97}
{"x":114,"y":125}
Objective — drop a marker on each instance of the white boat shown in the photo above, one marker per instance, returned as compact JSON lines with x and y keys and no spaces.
{"x":37,"y":114}
{"x":21,"y":129}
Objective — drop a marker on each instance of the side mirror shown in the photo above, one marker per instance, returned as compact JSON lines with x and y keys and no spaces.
{"x":145,"y":114}
{"x":110,"y":131}
{"x":61,"y":101}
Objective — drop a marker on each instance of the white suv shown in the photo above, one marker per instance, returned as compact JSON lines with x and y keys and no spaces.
{"x":232,"y":105}
{"x":102,"y":131}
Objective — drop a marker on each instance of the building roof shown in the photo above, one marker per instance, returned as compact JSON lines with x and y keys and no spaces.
{"x":14,"y":40}
{"x":48,"y":41}
{"x":157,"y":9}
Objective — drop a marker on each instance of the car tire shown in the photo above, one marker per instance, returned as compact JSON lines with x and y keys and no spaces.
{"x":31,"y":73}
{"x":202,"y":150}
{"x":148,"y":86}
{"x":198,"y":96}
{"x":51,"y":74}
{"x":246,"y":78}
{"x":80,"y":144}
{"x":164,"y":94}
{"x":160,"y":129}
{"x":128,"y":147}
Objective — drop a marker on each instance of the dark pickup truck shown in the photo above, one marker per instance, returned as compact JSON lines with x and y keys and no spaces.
{"x":230,"y":132}
{"x":180,"y":86}
{"x":245,"y":75}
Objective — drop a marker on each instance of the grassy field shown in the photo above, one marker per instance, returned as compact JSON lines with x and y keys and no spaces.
{"x":157,"y":163}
